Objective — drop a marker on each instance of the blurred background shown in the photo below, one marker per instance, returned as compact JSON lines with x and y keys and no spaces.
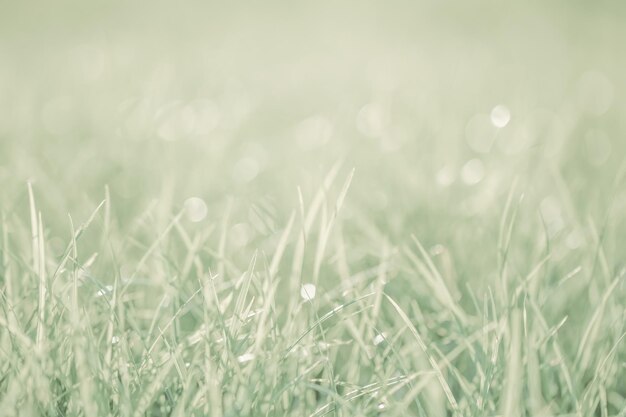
{"x":439,"y":106}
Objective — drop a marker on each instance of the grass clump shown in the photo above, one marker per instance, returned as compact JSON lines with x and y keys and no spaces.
{"x":188,"y":329}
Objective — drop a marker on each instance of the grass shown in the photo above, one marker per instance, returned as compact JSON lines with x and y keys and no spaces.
{"x":315,"y":217}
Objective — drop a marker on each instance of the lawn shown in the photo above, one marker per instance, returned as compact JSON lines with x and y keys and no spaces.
{"x":313,"y":209}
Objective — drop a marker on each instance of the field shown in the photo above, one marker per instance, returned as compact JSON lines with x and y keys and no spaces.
{"x":313,"y":209}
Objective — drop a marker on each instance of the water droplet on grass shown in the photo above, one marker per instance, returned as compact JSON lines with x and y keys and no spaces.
{"x":500,"y":116}
{"x":246,"y":357}
{"x":446,"y":176}
{"x":107,"y":289}
{"x":307,"y":292}
{"x":195,"y":209}
{"x":473,"y":172}
{"x":379,"y":338}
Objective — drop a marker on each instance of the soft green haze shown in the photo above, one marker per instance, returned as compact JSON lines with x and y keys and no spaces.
{"x":313,"y":208}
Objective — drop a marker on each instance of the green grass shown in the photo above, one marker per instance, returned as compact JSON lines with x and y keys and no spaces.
{"x":313,"y":210}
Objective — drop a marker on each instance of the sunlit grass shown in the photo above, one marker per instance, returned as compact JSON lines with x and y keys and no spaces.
{"x":318,"y":211}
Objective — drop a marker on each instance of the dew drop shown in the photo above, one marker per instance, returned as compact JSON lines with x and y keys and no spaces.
{"x":307,"y":292}
{"x":446,"y":176}
{"x":195,"y":209}
{"x":107,"y":289}
{"x":379,"y":338}
{"x":473,"y":172}
{"x":500,"y":116}
{"x":246,"y":357}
